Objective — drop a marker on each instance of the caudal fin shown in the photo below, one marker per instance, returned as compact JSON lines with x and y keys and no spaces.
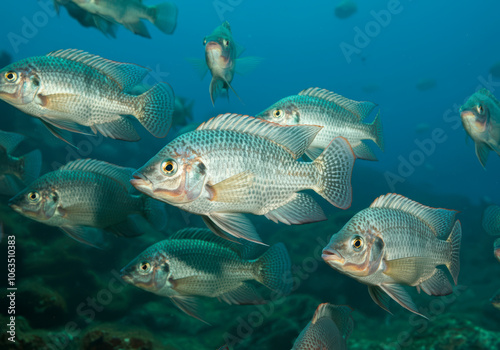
{"x":376,"y":132}
{"x":155,"y":212}
{"x":155,"y":109}
{"x":272,"y":269}
{"x":455,"y":239}
{"x":335,"y":166}
{"x":31,"y":164}
{"x":164,"y":17}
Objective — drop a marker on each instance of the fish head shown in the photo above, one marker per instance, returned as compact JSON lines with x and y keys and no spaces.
{"x":19,"y":83}
{"x":356,"y":250}
{"x":38,"y":202}
{"x":496,"y":249}
{"x":150,"y":270}
{"x":283,"y":112}
{"x":220,"y":52}
{"x":475,"y":115}
{"x":176,"y":175}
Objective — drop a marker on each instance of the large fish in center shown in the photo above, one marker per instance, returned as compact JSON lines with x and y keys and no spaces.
{"x":236,"y":164}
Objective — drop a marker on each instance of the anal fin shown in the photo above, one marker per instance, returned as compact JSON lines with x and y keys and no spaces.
{"x":245,"y":294}
{"x":438,"y":284}
{"x":87,"y":235}
{"x":120,"y":129}
{"x":301,"y":209}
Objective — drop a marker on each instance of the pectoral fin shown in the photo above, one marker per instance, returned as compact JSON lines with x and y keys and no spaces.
{"x":233,"y":189}
{"x":482,"y":151}
{"x":408,"y":270}
{"x":59,"y":102}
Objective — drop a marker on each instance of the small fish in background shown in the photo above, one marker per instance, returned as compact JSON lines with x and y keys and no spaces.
{"x":491,"y":220}
{"x":426,"y":84}
{"x":193,"y":263}
{"x":16,"y":172}
{"x":338,"y":115}
{"x":495,"y":300}
{"x":5,"y":58}
{"x":496,"y":249}
{"x":83,"y":93}
{"x":86,"y":197}
{"x":345,"y":9}
{"x":397,"y":242}
{"x":183,"y":111}
{"x":85,"y":18}
{"x":329,"y":329}
{"x":370,"y":88}
{"x":481,"y":120}
{"x":130,"y":14}
{"x":234,"y":164}
{"x":222,"y":58}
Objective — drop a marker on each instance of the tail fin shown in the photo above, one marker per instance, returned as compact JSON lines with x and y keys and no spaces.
{"x":377,"y":132}
{"x":272,"y":269}
{"x":31,"y":164}
{"x":155,"y":212}
{"x":335,"y":166}
{"x":164,"y":17}
{"x":454,"y":239}
{"x":155,"y":109}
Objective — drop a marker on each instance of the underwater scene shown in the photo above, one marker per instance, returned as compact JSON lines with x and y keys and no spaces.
{"x":232,"y":174}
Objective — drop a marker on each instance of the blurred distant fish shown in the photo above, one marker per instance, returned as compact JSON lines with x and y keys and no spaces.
{"x":85,"y":18}
{"x":481,"y":120}
{"x":222,"y":59}
{"x":495,"y":300}
{"x":76,"y":91}
{"x":193,"y":262}
{"x":370,"y":88}
{"x":16,"y":172}
{"x":130,"y":14}
{"x":491,"y":220}
{"x":495,"y":70}
{"x":183,"y":111}
{"x":87,"y":196}
{"x":425,"y":84}
{"x":496,"y":249}
{"x":338,"y":115}
{"x":346,"y":9}
{"x":5,"y":58}
{"x":397,"y":242}
{"x":235,"y":164}
{"x":329,"y":329}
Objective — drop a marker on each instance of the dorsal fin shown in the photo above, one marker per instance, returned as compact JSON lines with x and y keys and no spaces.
{"x":339,"y":314}
{"x":360,"y":109}
{"x":488,"y":93}
{"x":10,"y":140}
{"x":126,"y":75}
{"x":120,"y":174}
{"x":226,"y":25}
{"x":439,"y":220}
{"x":295,"y":138}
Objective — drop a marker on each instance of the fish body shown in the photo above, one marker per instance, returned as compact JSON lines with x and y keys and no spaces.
{"x":80,"y":92}
{"x":236,"y":164}
{"x":491,"y":220}
{"x":84,"y":198}
{"x":398,"y":242}
{"x":338,"y":115}
{"x":130,"y":14}
{"x":329,"y":329}
{"x":193,"y":262}
{"x":15,"y":171}
{"x":481,"y":120}
{"x":495,"y":300}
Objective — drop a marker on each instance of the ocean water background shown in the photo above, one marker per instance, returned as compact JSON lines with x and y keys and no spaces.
{"x":301,"y":43}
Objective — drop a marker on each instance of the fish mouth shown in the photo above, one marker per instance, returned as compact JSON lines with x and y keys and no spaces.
{"x":126,"y":277}
{"x":142,"y":183}
{"x":15,"y":207}
{"x":330,"y":255}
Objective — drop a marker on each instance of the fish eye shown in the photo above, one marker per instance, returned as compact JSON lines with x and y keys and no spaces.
{"x":204,"y":41}
{"x":33,"y":197}
{"x":225,"y":42}
{"x":480,"y":109}
{"x":145,"y":266}
{"x":11,"y":76}
{"x":357,"y":243}
{"x":278,"y":113}
{"x":169,"y":167}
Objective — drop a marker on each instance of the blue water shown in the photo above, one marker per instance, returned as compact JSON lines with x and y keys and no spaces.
{"x":453,"y":43}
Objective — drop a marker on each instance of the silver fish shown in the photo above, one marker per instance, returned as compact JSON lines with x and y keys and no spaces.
{"x":130,"y":14}
{"x":86,"y":197}
{"x":236,"y":164}
{"x":481,"y":120}
{"x":16,"y":172}
{"x":80,"y":92}
{"x":329,"y":329}
{"x":193,"y":262}
{"x":338,"y":115}
{"x":397,"y":242}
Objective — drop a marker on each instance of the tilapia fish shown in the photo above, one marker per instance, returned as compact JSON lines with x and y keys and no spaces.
{"x":491,"y":220}
{"x":80,"y":92}
{"x":481,"y":120}
{"x":338,"y":115}
{"x":193,"y":263}
{"x":16,"y":172}
{"x":329,"y":329}
{"x":236,"y":164}
{"x":85,"y":198}
{"x":397,"y":242}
